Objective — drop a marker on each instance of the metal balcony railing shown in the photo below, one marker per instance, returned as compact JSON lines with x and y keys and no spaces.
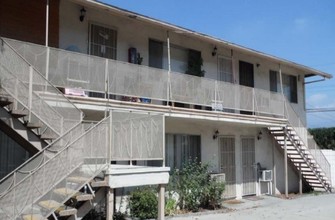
{"x":30,"y":90}
{"x":121,"y":136}
{"x":74,"y":70}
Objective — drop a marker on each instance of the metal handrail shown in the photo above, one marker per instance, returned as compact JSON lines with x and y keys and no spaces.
{"x":3,"y":41}
{"x":325,"y":167}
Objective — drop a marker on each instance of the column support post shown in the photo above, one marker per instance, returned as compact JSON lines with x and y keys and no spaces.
{"x":161,"y":201}
{"x":285,"y":163}
{"x":110,"y":203}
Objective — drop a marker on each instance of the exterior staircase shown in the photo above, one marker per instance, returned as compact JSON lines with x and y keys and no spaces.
{"x":303,"y":151}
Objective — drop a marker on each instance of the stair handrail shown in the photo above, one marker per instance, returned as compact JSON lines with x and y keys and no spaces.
{"x":304,"y":136}
{"x":43,"y":153}
{"x":44,"y":190}
{"x":36,"y":114}
{"x":48,"y":83}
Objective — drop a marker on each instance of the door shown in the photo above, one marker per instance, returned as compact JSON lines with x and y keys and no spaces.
{"x":248,"y":166}
{"x":227,"y":164}
{"x":225,"y":69}
{"x":246,"y":77}
{"x":155,"y":54}
{"x":103,"y":41}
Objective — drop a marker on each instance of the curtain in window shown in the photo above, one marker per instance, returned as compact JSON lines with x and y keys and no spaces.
{"x":289,"y":85}
{"x":181,"y":148}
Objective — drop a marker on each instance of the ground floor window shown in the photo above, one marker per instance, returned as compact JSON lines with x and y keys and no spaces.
{"x":181,"y":147}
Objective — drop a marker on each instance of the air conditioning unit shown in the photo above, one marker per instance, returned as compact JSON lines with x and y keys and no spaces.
{"x":266,"y":175}
{"x":219,"y":177}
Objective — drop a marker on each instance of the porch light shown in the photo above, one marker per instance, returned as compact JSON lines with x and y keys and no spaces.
{"x":82,"y":14}
{"x":259,"y":136}
{"x":215,"y":49}
{"x":215,"y":135}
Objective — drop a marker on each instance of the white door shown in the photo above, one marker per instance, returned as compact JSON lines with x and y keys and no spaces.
{"x":227,"y":164}
{"x":248,"y":166}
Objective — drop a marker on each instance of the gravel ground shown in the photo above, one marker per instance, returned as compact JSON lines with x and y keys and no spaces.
{"x":320,"y":207}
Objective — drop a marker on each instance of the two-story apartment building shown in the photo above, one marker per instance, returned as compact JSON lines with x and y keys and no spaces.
{"x":240,"y":110}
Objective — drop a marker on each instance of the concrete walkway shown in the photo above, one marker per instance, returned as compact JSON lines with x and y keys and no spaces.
{"x":321,"y":207}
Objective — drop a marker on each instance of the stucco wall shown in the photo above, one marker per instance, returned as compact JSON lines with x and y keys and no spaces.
{"x":265,"y":152}
{"x":134,"y":33}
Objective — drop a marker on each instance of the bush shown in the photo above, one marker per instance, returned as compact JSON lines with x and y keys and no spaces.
{"x":143,"y":203}
{"x":170,"y":206}
{"x":195,"y":187}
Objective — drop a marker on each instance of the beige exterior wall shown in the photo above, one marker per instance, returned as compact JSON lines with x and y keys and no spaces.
{"x":134,"y":33}
{"x":266,"y":153}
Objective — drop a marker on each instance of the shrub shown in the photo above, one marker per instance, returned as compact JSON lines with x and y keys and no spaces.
{"x":143,"y":203}
{"x":170,"y":206}
{"x":195,"y":187}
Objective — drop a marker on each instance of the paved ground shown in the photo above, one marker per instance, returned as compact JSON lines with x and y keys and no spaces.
{"x":320,"y":207}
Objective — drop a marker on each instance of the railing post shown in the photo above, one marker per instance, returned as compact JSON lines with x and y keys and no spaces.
{"x":30,"y":99}
{"x":131,"y":142}
{"x":253,"y":101}
{"x":109,"y":145}
{"x":285,"y":162}
{"x":106,"y":86}
{"x":163,"y":141}
{"x":215,"y":95}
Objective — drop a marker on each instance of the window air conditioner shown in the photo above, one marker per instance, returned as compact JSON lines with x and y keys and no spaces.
{"x":219,"y":177}
{"x":266,"y":175}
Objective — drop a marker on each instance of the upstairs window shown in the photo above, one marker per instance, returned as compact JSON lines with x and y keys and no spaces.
{"x":289,"y":85}
{"x":103,"y":41}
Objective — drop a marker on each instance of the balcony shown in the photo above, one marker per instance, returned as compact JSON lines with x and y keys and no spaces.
{"x":125,"y":81}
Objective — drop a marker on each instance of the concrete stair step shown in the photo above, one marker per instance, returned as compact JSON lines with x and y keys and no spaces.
{"x":48,"y":137}
{"x":97,"y":184}
{"x":61,"y":209}
{"x":77,"y":179}
{"x":78,"y":196}
{"x":5,"y":100}
{"x":32,"y":217}
{"x":34,"y":125}
{"x":19,"y":113}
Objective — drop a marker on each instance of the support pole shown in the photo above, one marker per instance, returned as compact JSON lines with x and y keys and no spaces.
{"x":274,"y":173}
{"x":161,"y":201}
{"x":300,"y":180}
{"x":47,"y":24}
{"x":169,"y":68}
{"x":110,"y":203}
{"x":285,"y":163}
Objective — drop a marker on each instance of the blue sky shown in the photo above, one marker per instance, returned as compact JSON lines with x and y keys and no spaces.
{"x":300,"y":30}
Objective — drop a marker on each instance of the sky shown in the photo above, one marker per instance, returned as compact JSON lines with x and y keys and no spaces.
{"x":302,"y":31}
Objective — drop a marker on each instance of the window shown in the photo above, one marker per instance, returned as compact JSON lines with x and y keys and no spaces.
{"x":289,"y":85}
{"x":103,"y":42}
{"x":180,"y":148}
{"x":225,"y":69}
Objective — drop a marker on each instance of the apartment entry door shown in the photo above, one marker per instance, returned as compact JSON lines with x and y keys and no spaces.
{"x":228,"y":165}
{"x":249,"y":175}
{"x":246,"y":78}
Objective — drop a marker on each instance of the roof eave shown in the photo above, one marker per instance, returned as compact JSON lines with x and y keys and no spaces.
{"x":170,"y":27}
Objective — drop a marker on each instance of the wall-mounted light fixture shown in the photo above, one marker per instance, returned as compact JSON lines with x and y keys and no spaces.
{"x":82,"y":14}
{"x":215,"y":50}
{"x":259,"y":136}
{"x":258,"y":65}
{"x":215,"y":135}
